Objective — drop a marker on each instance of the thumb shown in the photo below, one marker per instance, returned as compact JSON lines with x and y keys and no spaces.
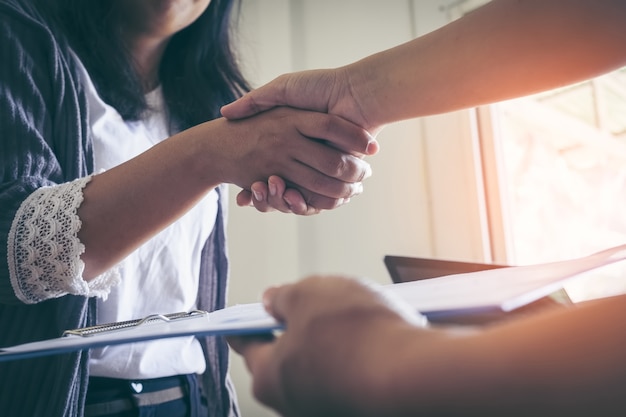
{"x":256,"y":101}
{"x":245,"y":106}
{"x":277,"y":301}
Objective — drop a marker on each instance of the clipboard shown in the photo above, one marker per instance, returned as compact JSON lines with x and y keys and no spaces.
{"x":236,"y":320}
{"x":465,"y":294}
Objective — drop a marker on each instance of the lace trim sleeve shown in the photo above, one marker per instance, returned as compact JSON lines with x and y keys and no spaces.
{"x":44,"y":249}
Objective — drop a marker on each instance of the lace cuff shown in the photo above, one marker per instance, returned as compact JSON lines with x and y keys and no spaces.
{"x":44,"y":249}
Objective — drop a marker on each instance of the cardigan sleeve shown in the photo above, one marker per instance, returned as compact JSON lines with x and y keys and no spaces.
{"x":43,"y":137}
{"x":40,"y":109}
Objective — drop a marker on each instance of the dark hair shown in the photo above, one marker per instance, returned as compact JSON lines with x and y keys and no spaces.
{"x":199,"y":71}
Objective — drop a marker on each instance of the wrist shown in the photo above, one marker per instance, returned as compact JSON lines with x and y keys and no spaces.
{"x":364,"y":87}
{"x":207,"y":158}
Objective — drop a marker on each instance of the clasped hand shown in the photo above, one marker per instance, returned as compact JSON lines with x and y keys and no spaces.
{"x":297,"y":161}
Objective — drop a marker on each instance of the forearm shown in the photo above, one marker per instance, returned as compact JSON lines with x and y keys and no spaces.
{"x":505,"y":49}
{"x":565,"y":362}
{"x":128,"y":204}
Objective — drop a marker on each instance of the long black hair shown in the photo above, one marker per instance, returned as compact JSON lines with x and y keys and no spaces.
{"x":199,"y":71}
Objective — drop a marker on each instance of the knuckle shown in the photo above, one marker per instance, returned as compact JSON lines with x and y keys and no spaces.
{"x":328,"y":124}
{"x":339,"y":166}
{"x":349,"y":168}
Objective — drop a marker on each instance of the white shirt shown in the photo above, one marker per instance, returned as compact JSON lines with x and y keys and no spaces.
{"x":162,"y":275}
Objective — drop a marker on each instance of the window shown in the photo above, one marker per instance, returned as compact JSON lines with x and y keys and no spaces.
{"x":560,"y":161}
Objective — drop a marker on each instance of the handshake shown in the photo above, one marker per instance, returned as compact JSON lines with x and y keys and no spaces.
{"x":320,"y":166}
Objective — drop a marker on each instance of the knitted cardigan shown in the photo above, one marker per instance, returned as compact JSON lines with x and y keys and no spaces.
{"x":45,"y":140}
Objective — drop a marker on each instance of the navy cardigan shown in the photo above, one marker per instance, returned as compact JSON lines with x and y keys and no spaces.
{"x":44,"y":140}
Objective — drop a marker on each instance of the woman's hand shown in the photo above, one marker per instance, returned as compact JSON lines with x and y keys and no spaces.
{"x":317,"y":155}
{"x":274,"y":195}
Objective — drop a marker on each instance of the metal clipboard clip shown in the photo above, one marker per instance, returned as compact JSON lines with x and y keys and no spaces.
{"x":111,"y":327}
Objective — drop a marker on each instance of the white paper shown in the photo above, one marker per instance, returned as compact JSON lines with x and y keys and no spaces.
{"x":502,"y":289}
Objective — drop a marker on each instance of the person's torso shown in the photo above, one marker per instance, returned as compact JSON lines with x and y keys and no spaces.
{"x":162,"y":275}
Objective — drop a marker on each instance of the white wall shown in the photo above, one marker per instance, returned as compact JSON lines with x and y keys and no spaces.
{"x":422,"y":199}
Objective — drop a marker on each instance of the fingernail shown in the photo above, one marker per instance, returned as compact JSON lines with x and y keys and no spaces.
{"x":289,"y":203}
{"x":372,"y":147}
{"x":258,"y":196}
{"x":273,"y":189}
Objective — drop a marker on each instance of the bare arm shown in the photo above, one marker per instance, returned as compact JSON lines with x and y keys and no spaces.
{"x":128,"y":204}
{"x":560,"y":363}
{"x":349,"y":351}
{"x":505,"y":49}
